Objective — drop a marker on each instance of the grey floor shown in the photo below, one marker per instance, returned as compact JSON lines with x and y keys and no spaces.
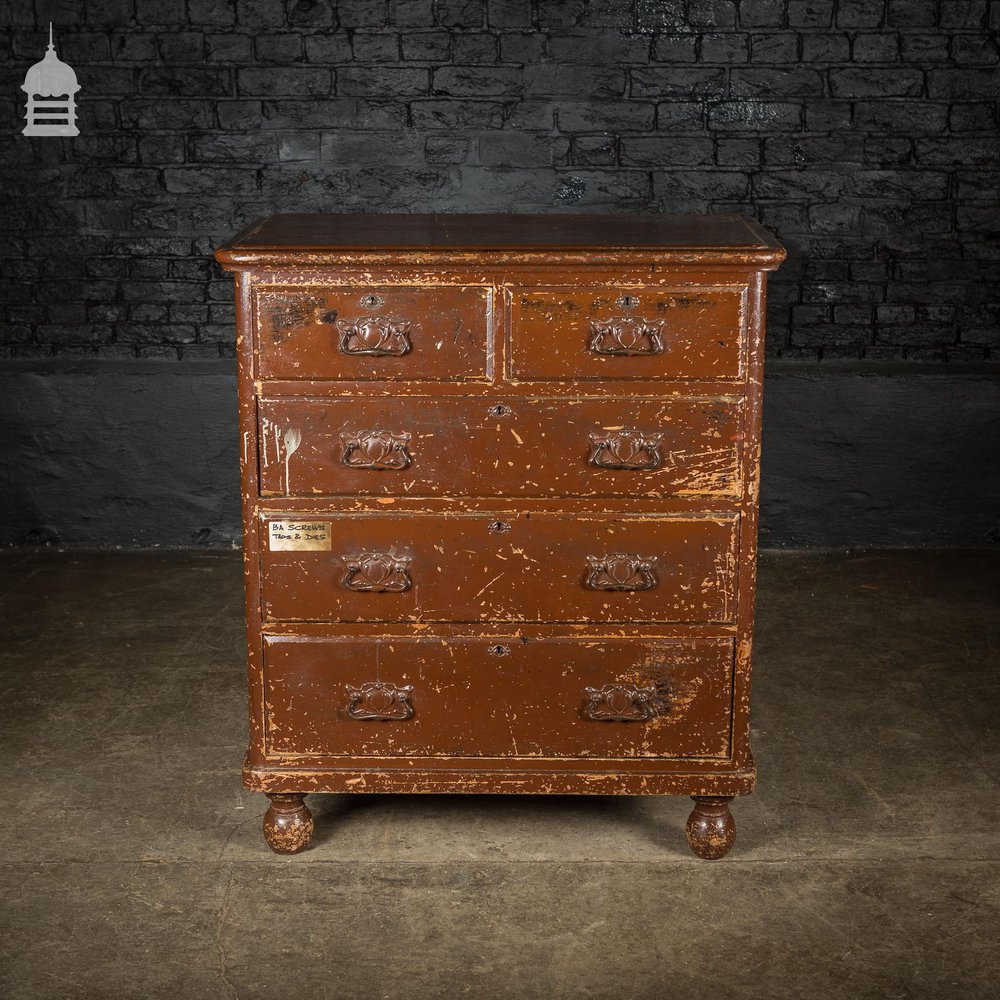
{"x":867,"y":865}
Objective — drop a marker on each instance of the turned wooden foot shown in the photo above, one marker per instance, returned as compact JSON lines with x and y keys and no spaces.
{"x":288,"y":824}
{"x":711,"y":829}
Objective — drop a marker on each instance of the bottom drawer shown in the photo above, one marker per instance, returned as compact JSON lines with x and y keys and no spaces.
{"x":558,"y":696}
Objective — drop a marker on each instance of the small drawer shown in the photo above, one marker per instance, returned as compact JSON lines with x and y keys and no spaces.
{"x":639,"y":333}
{"x":513,"y":447}
{"x":379,"y":333}
{"x":525,"y":567}
{"x":497,"y":697}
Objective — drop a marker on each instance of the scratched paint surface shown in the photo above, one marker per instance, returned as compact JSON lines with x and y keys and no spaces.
{"x":508,"y":447}
{"x":702,"y":332}
{"x":301,"y":332}
{"x":468,"y":701}
{"x":490,"y":404}
{"x":536,"y":570}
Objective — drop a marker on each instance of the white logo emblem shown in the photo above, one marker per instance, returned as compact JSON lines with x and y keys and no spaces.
{"x":51,"y":86}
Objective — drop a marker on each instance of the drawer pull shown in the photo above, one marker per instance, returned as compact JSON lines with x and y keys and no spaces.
{"x":621,"y":571}
{"x":619,"y":703}
{"x":625,"y":450}
{"x":379,"y":700}
{"x":373,"y":336}
{"x":626,"y":337}
{"x":375,"y":450}
{"x":377,"y":573}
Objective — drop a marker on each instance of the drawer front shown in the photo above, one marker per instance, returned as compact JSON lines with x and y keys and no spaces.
{"x":641,"y":333}
{"x":514,"y":447}
{"x":475,"y":697}
{"x":381,"y":332}
{"x":527,"y":567}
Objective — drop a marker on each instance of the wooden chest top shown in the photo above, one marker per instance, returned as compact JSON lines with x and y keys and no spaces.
{"x":694,"y":238}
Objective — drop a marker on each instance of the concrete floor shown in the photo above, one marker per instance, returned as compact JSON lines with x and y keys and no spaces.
{"x":867,"y":865}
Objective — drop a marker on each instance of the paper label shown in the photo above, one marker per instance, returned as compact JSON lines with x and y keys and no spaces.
{"x":298,"y":536}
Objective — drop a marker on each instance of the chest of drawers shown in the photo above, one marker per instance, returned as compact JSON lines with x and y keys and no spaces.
{"x":500,"y":506}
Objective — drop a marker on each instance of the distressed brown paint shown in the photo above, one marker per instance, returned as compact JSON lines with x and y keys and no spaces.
{"x":542,"y":568}
{"x":500,"y":487}
{"x":636,"y":332}
{"x":496,"y":697}
{"x":395,"y":333}
{"x":528,"y":446}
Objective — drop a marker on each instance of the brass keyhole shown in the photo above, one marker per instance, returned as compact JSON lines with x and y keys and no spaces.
{"x":628,"y":301}
{"x":499,"y":527}
{"x":499,"y":650}
{"x":500,"y":410}
{"x":371,"y":301}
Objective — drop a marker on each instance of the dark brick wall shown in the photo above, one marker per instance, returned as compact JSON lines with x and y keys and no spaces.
{"x":863,"y":132}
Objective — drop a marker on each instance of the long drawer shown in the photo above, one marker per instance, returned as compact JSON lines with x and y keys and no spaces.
{"x":636,"y":333}
{"x":483,"y":697}
{"x":533,"y":567}
{"x":516,"y":447}
{"x":382,"y":332}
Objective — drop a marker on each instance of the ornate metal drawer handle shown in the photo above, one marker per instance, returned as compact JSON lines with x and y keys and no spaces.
{"x":377,"y":573}
{"x":625,"y":450}
{"x":379,"y":700}
{"x":375,"y":336}
{"x":375,"y":450}
{"x":619,"y":703}
{"x":621,"y":571}
{"x":626,"y":336}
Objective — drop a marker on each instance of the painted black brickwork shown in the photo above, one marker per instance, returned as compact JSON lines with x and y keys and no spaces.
{"x":863,"y":132}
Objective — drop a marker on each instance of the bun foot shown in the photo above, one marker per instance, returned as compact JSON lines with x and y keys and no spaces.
{"x":288,"y":824}
{"x":711,"y":829}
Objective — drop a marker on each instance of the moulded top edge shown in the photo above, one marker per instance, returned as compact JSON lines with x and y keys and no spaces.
{"x":237,"y":259}
{"x":335,"y":239}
